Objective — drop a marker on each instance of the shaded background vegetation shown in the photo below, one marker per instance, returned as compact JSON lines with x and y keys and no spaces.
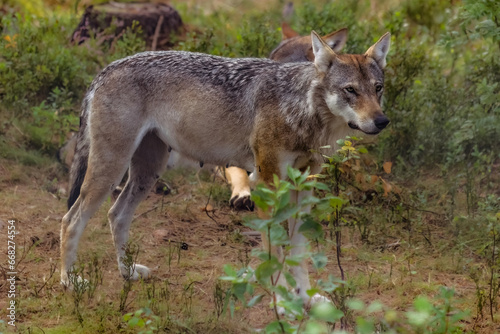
{"x":442,"y":78}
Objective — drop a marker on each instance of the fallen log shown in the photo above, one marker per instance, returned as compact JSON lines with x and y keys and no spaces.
{"x":110,"y":20}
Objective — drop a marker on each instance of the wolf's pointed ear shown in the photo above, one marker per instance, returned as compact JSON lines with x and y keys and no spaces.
{"x":379,"y":50}
{"x":323,"y":54}
{"x":336,"y":40}
{"x":287,"y":32}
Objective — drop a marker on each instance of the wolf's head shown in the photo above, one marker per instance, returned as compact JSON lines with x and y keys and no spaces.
{"x":295,"y":48}
{"x":354,"y":83}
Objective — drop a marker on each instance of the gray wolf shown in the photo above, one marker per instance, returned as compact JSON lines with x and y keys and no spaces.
{"x":292,"y":48}
{"x":256,"y":114}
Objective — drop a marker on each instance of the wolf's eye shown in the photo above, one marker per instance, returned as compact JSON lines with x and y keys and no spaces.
{"x":378,"y":88}
{"x":350,"y":89}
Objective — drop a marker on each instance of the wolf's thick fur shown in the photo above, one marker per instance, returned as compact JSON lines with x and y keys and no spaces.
{"x":256,"y":114}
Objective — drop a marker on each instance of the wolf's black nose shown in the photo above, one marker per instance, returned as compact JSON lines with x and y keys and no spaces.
{"x":381,"y":122}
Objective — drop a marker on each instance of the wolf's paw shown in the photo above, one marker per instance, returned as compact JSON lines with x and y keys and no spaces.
{"x":316,"y":299}
{"x":282,"y":312}
{"x":280,"y":309}
{"x":250,"y":277}
{"x":137,"y":271}
{"x":70,"y":282}
{"x":241,"y":202}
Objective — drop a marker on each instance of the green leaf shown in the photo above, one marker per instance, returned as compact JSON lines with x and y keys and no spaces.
{"x":293,"y":307}
{"x":422,"y":304}
{"x":285,"y":213}
{"x":309,"y":200}
{"x":282,"y":292}
{"x":133,"y":322}
{"x":259,"y":201}
{"x":321,"y":186}
{"x":290,"y":279}
{"x":229,"y":270}
{"x":336,"y":202}
{"x":293,"y":173}
{"x":276,"y":180}
{"x":284,"y":200}
{"x":239,"y":290}
{"x":311,"y":228}
{"x":279,"y":235}
{"x":312,"y":291}
{"x":356,"y":304}
{"x":316,"y":327}
{"x":292,"y":262}
{"x":319,"y":260}
{"x":331,"y":285}
{"x":257,"y":224}
{"x":376,"y":306}
{"x":250,"y":289}
{"x":260,"y":254}
{"x":266,"y":269}
{"x":141,"y":323}
{"x":418,"y":319}
{"x":326,"y":312}
{"x":276,"y":327}
{"x":365,"y":326}
{"x":255,"y":300}
{"x":231,"y":307}
{"x":323,"y":209}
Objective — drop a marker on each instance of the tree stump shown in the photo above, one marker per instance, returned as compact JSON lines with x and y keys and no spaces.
{"x":158,"y":21}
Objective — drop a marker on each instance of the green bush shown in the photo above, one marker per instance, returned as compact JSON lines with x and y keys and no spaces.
{"x":443,"y":99}
{"x":43,"y":77}
{"x":36,"y":58}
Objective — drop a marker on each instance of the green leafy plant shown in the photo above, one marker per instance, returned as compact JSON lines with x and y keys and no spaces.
{"x":143,"y":320}
{"x":278,"y":205}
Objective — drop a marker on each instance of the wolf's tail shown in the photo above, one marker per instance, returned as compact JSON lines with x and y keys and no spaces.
{"x":81,"y":157}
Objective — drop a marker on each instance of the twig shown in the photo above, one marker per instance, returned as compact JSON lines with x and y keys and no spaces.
{"x":145,"y":212}
{"x":338,"y":240}
{"x":157,"y":33}
{"x":208,"y":201}
{"x":423,"y":210}
{"x":53,"y":268}
{"x":392,"y":245}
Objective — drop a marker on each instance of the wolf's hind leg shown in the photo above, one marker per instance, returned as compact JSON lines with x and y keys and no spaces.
{"x":104,"y":172}
{"x":148,"y":161}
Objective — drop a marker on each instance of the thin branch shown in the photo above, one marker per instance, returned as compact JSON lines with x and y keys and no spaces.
{"x":157,"y":33}
{"x":145,"y":212}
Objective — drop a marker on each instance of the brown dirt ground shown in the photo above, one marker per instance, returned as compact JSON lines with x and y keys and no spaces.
{"x":211,"y":244}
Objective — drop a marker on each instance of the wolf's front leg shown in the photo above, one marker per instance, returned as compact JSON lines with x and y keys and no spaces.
{"x":278,"y":278}
{"x":299,"y":246}
{"x":266,"y":166}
